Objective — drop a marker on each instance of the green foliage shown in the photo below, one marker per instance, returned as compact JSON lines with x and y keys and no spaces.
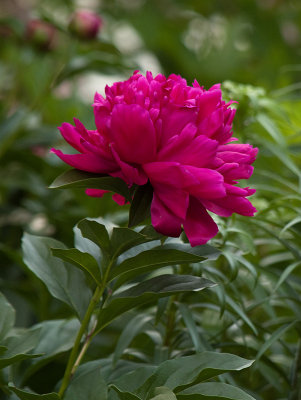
{"x":62,"y":280}
{"x":25,"y":395}
{"x":7,"y":317}
{"x":213,"y":391}
{"x":87,"y":384}
{"x":147,"y":315}
{"x":148,"y":291}
{"x":173,"y":377}
{"x":17,"y":347}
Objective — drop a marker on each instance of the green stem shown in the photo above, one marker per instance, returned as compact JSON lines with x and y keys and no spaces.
{"x":73,"y":356}
{"x":171,"y":316}
{"x":84,"y":349}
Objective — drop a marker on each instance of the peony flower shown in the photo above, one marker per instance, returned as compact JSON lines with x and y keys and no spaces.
{"x":178,"y":138}
{"x":85,"y":24}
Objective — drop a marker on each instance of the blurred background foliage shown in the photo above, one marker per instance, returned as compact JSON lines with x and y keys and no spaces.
{"x":254,"y":48}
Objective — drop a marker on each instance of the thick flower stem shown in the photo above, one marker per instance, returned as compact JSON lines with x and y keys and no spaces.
{"x":71,"y":366}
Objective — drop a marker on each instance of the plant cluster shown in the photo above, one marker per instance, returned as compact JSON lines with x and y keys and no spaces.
{"x":108,"y":311}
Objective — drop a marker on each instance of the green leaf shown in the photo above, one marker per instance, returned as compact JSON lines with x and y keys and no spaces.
{"x":183,"y":372}
{"x":238,"y":310}
{"x":271,"y":375}
{"x":264,"y":226}
{"x":86,"y":245}
{"x":9,"y":129}
{"x":275,"y":336}
{"x":130,"y":381}
{"x":83,"y":261}
{"x":204,"y":250}
{"x":150,"y":233}
{"x":213,"y":391}
{"x":140,"y":205}
{"x":87,"y":384}
{"x":95,"y":232}
{"x":149,"y":260}
{"x":129,"y":332}
{"x":124,"y":238}
{"x":18,"y":347}
{"x":148,"y":291}
{"x":125,"y":395}
{"x":75,"y":178}
{"x":284,"y":157}
{"x":163,"y":393}
{"x":63,"y":281}
{"x":25,"y":395}
{"x":55,"y":337}
{"x":295,"y":221}
{"x":285,"y":274}
{"x":192,"y":328}
{"x":7,"y":317}
{"x":269,"y":125}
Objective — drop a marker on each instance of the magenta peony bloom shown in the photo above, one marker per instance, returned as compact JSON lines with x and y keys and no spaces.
{"x":175,"y":136}
{"x":85,"y":24}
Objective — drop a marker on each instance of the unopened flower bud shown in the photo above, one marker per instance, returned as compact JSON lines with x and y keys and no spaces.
{"x":85,"y":24}
{"x":40,"y":33}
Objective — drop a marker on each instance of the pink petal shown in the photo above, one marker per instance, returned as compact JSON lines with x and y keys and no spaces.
{"x":72,"y":136}
{"x":234,"y":171}
{"x":169,"y":173}
{"x":241,"y":153}
{"x":226,"y":206}
{"x":210,"y":183}
{"x":131,"y":174}
{"x":102,"y":116}
{"x":217,"y":208}
{"x":175,"y":200}
{"x":198,"y":226}
{"x":208,"y":102}
{"x":188,"y":149}
{"x":99,"y":100}
{"x":216,"y":86}
{"x":96,"y":192}
{"x":120,"y":200}
{"x":99,"y":147}
{"x":174,"y":120}
{"x":211,"y":123}
{"x":133,"y":134}
{"x":163,"y":220}
{"x":86,"y":162}
{"x":223,"y":134}
{"x":231,"y":156}
{"x":81,"y":129}
{"x":238,"y":191}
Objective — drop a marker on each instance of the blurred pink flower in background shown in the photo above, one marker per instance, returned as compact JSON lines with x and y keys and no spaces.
{"x":85,"y":24}
{"x":41,"y":33}
{"x":175,"y":136}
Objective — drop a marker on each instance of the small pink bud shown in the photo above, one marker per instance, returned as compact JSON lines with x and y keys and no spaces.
{"x":85,"y":24}
{"x":40,"y":33}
